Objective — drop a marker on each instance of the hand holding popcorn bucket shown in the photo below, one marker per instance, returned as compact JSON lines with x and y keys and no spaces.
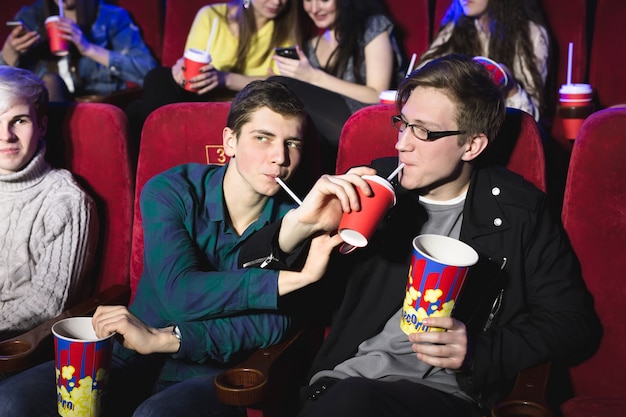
{"x":82,"y":363}
{"x":436,"y":275}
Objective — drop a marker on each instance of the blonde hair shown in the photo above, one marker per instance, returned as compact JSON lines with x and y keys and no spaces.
{"x":20,"y":85}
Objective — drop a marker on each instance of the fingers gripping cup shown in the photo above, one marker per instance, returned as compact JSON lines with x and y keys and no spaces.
{"x":82,"y":367}
{"x":58,"y":45}
{"x":436,"y":275}
{"x":575,"y":104}
{"x":194,"y":60}
{"x":357,"y":227}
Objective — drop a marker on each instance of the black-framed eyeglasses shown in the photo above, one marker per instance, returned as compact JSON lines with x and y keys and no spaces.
{"x":421,"y":132}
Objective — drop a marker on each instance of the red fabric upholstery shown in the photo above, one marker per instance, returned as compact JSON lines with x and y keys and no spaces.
{"x":606,"y":72}
{"x":594,"y":407}
{"x":368,"y":134}
{"x":172,"y":135}
{"x":519,"y":147}
{"x":413,"y":22}
{"x":7,"y":12}
{"x":440,"y":10}
{"x":149,"y":16}
{"x":567,"y":20}
{"x":91,"y":141}
{"x":192,"y":132}
{"x":594,"y":217}
{"x":178,"y":19}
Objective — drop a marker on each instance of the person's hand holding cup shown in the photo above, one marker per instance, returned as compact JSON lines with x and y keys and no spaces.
{"x":357,"y":227}
{"x":82,"y":362}
{"x":436,"y":275}
{"x":194,"y":61}
{"x":58,"y":45}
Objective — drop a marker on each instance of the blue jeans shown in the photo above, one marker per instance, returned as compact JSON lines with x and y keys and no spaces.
{"x":133,"y":390}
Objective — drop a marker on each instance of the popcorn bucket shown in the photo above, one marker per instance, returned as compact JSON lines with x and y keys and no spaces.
{"x":82,"y":367}
{"x":436,"y":275}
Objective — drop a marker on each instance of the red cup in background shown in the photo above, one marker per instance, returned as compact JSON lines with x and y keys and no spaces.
{"x":357,"y":227}
{"x":575,"y":104}
{"x":388,"y":96}
{"x":194,"y":60}
{"x":58,"y":45}
{"x":82,"y":362}
{"x":498,"y":74}
{"x":436,"y":275}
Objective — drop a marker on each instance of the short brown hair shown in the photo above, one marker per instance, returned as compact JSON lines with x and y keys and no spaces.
{"x":479,"y":103}
{"x":263,"y":93}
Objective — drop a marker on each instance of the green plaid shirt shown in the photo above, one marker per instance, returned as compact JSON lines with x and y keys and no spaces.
{"x":191,"y":277}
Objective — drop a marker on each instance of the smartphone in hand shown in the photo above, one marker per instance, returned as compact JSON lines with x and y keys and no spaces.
{"x":14,"y":23}
{"x":287,"y":52}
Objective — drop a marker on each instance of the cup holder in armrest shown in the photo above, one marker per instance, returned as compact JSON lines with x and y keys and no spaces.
{"x":14,"y":354}
{"x":240,"y":386}
{"x":520,"y":409}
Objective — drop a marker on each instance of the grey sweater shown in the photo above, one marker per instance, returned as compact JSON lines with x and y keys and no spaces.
{"x":48,"y":231}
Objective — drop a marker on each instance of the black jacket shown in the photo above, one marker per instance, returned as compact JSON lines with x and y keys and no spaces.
{"x":524,"y":303}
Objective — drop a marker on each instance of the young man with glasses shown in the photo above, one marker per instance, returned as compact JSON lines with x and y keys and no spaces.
{"x":523,"y":304}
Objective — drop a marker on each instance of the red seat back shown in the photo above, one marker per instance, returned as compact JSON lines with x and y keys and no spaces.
{"x":413,"y":22}
{"x":567,"y":20}
{"x":7,"y":12}
{"x":368,"y":134}
{"x":441,"y":6}
{"x":606,"y":68}
{"x":179,"y":16}
{"x":593,"y":216}
{"x":91,"y":141}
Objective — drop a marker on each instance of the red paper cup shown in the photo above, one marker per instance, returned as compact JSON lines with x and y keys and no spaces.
{"x":575,"y":95}
{"x":58,"y":45}
{"x":388,"y":96}
{"x":498,"y":74}
{"x":194,"y":60}
{"x":357,"y":227}
{"x":436,"y":275}
{"x":575,"y":104}
{"x":82,"y":367}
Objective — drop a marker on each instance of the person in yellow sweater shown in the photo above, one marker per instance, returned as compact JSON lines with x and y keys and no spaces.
{"x":245,"y":35}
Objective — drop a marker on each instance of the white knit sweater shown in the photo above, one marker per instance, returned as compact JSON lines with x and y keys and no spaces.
{"x":48,"y":230}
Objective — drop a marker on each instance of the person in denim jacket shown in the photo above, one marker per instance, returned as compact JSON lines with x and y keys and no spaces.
{"x":106,"y":49}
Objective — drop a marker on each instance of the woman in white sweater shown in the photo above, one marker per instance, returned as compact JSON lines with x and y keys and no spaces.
{"x":48,"y":224}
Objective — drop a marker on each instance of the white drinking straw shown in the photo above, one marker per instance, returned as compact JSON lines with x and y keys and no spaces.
{"x":408,"y":72}
{"x":395,"y":171}
{"x":570,"y":53}
{"x":61,"y":8}
{"x":291,"y":193}
{"x":211,"y":36}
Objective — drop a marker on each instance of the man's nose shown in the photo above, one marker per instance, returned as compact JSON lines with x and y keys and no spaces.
{"x":404,"y":142}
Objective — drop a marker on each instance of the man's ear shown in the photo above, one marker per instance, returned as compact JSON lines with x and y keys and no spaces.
{"x":475,"y":146}
{"x":229,"y":141}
